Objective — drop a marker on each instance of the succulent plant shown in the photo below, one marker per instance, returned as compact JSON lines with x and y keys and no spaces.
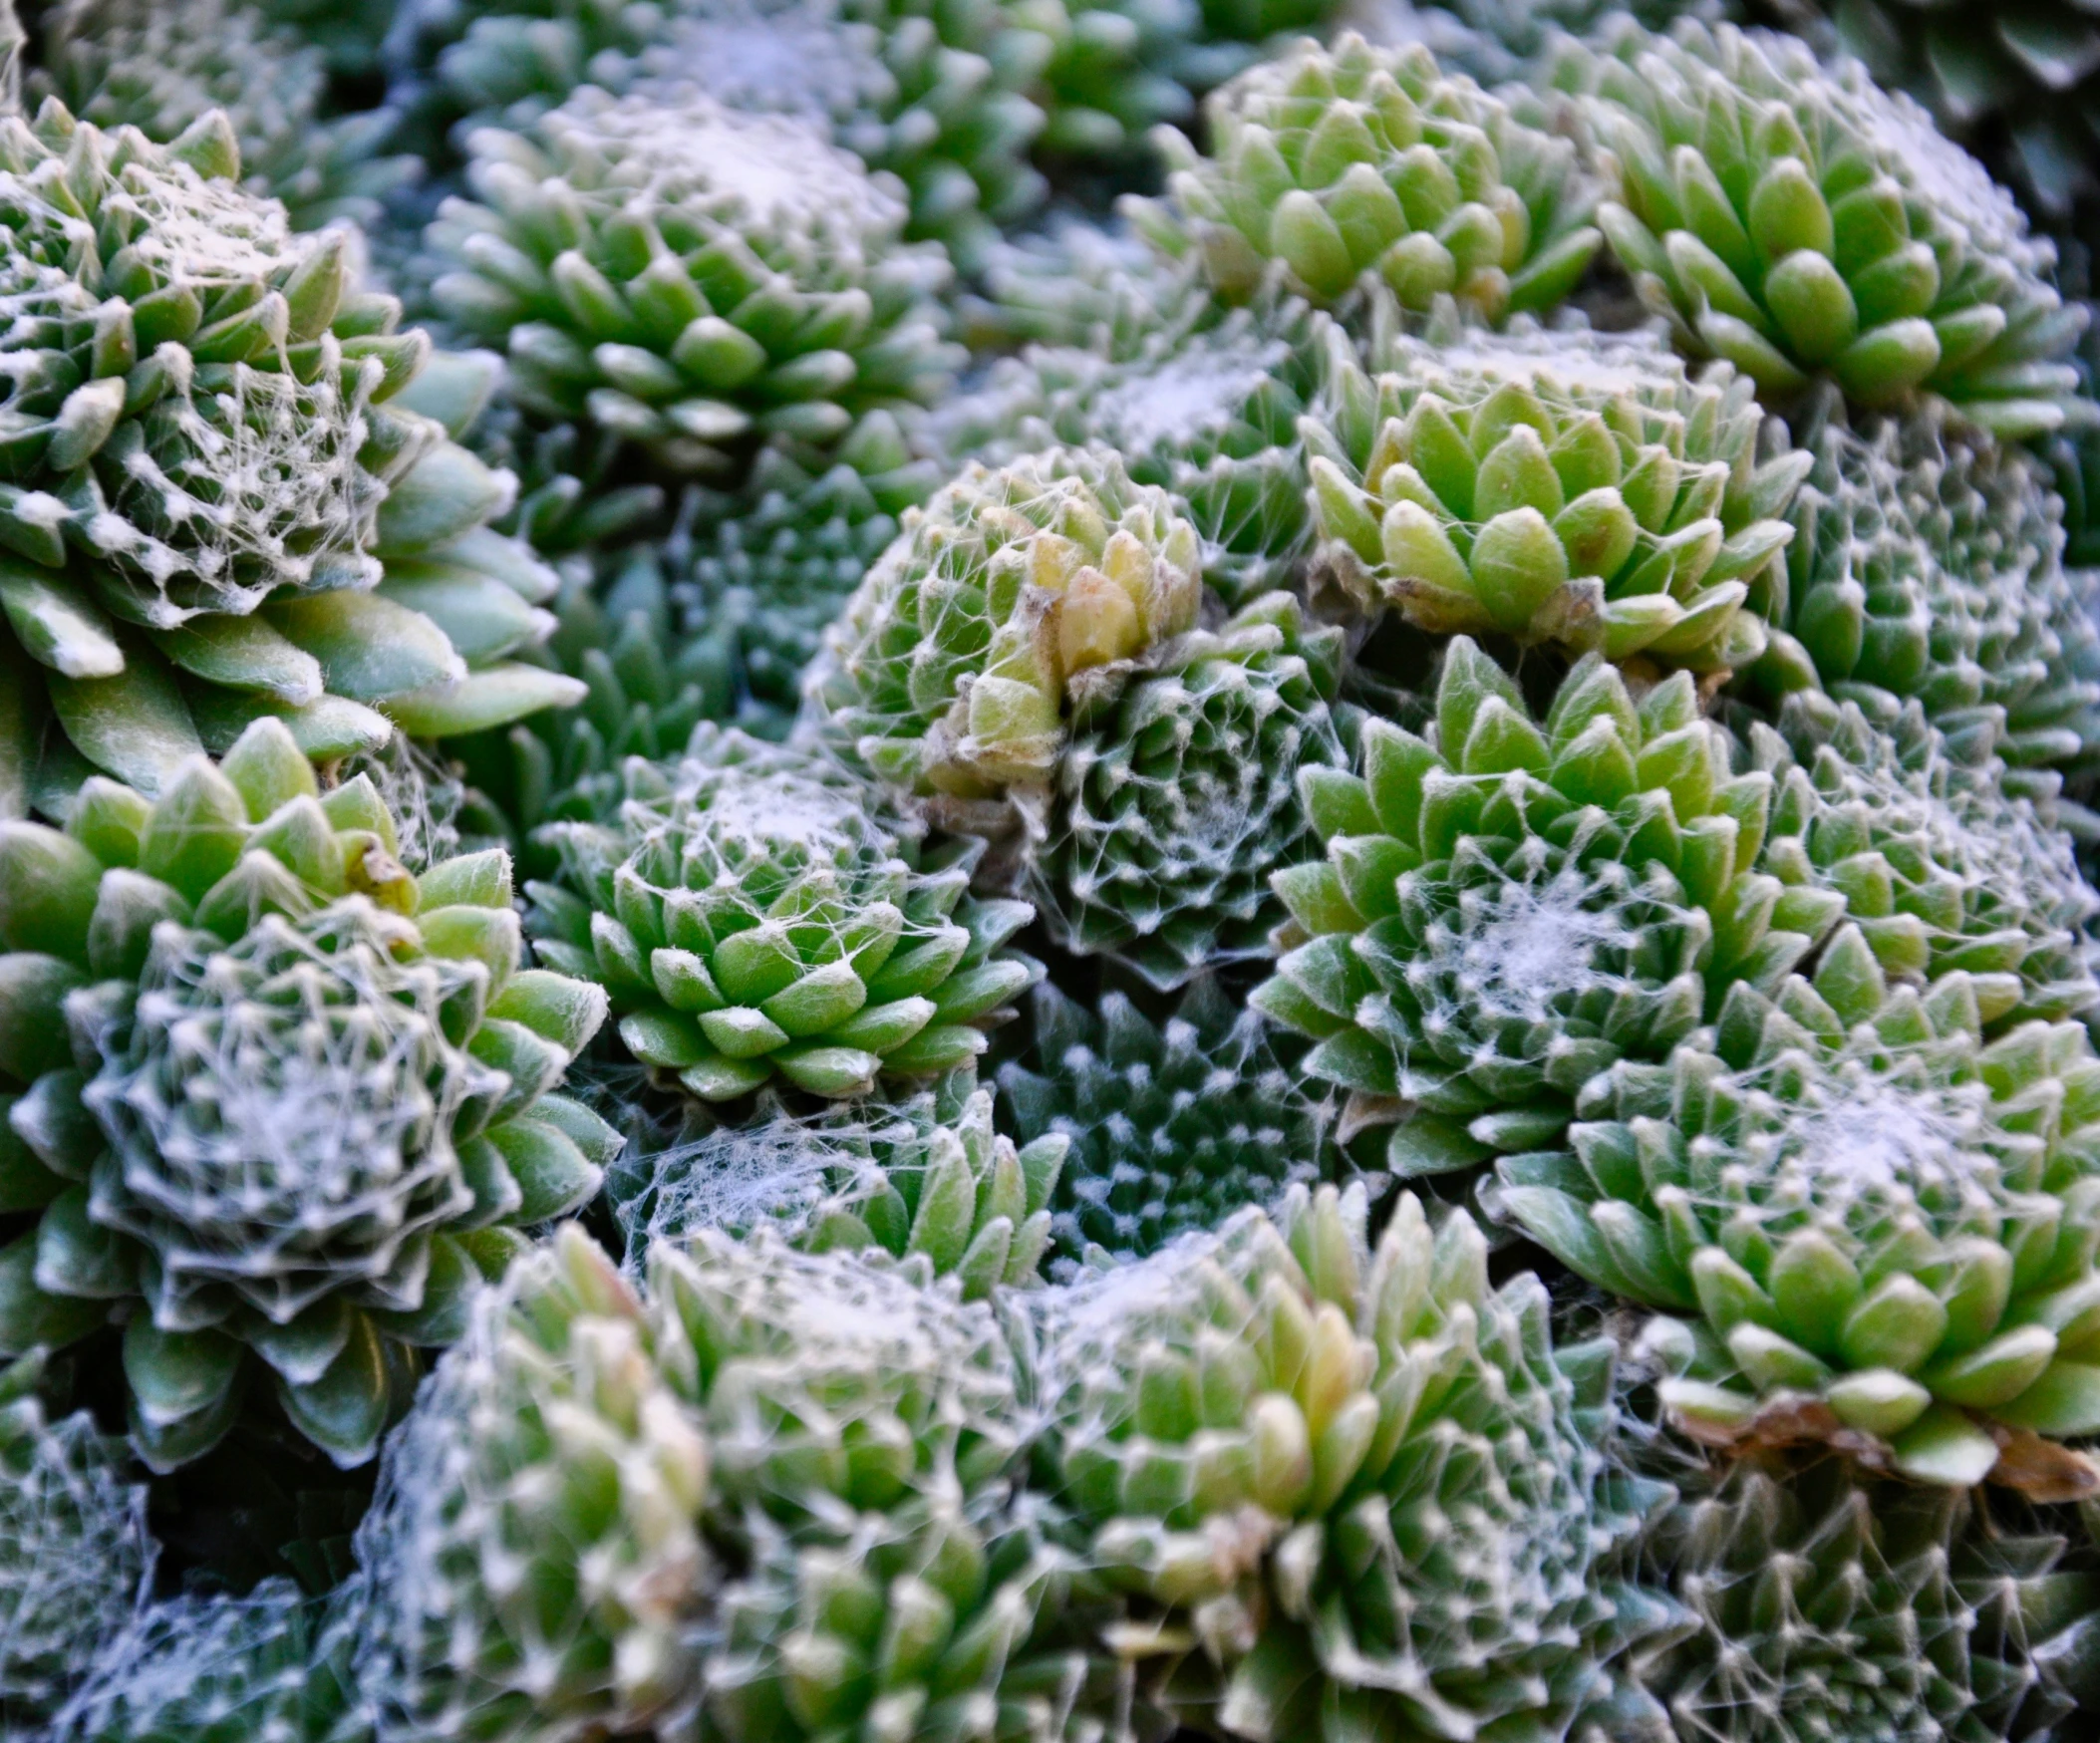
{"x":276,"y":1093}
{"x":1885,"y":1223}
{"x":1926,"y":564}
{"x":1797,"y":220}
{"x":1331,"y":163}
{"x":1828,"y":1606}
{"x":1173,"y":1125}
{"x":1008,"y":598}
{"x":471,"y":590}
{"x":2019,"y":81}
{"x":931,"y":1176}
{"x":1497,"y":42}
{"x":1201,"y":399}
{"x":1173,"y":804}
{"x":648,"y":689}
{"x":75,"y":1554}
{"x":534,"y":1564}
{"x":130,"y":62}
{"x":1939,"y":867}
{"x":771,"y":575}
{"x":865,"y":1425}
{"x":1507,"y":907}
{"x":937,"y":94}
{"x":201,"y":458}
{"x":934,"y":94}
{"x":689,"y":281}
{"x":1353,"y":1489}
{"x":1555,"y":486}
{"x":754,"y":916}
{"x":1072,"y":281}
{"x":212,"y":1668}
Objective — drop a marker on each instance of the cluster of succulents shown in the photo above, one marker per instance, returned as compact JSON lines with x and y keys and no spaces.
{"x":1799,"y":224}
{"x":1326,"y":166}
{"x":276,"y":1099}
{"x":1553,"y":487}
{"x":988,"y":923}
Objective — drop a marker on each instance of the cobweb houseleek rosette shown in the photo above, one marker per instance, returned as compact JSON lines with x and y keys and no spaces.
{"x":1011,"y":596}
{"x":1797,"y":220}
{"x":1332,"y":163}
{"x":1507,"y":907}
{"x":199,"y":449}
{"x":931,"y":1176}
{"x":1173,"y":1125}
{"x":754,"y":915}
{"x":157,"y":67}
{"x":943,"y":97}
{"x":1930,"y":563}
{"x":1883,"y":1225}
{"x":1200,"y":398}
{"x":1939,"y":867}
{"x":260,"y":1667}
{"x":533,"y":1565}
{"x":768,"y":577}
{"x":1172,"y":807}
{"x":76,"y":1559}
{"x":689,"y":281}
{"x":1554,"y":485}
{"x":276,"y":1101}
{"x":1351,"y":1489}
{"x":899,"y":1576}
{"x":1826,"y":1603}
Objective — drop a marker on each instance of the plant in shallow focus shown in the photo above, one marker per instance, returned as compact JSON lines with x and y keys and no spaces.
{"x":1939,"y":868}
{"x":75,"y":1554}
{"x":1198,"y":399}
{"x":1351,"y":1492}
{"x":1553,"y":486}
{"x":1928,"y":563}
{"x":770,"y":577}
{"x":1173,"y":1125}
{"x":279,"y":1100}
{"x":1174,"y":804}
{"x":1796,"y":219}
{"x":931,"y":1176}
{"x":754,"y":916}
{"x":1885,"y":1223}
{"x":1007,"y":598}
{"x":689,"y":280}
{"x":773,"y":1498}
{"x":1332,"y":163}
{"x":2020,"y":79}
{"x":647,"y":690}
{"x":212,"y":1668}
{"x":200,"y":463}
{"x":1828,"y":1606}
{"x":156,"y":68}
{"x":533,"y":1565}
{"x":1506,"y":908}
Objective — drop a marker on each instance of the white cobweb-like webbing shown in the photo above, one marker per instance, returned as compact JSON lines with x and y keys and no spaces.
{"x":284,"y":1108}
{"x":1191,"y":395}
{"x":778,"y":173}
{"x":261,"y":478}
{"x":781,"y":1171}
{"x":1519,"y":947}
{"x":202,"y":1660}
{"x":889,"y":1327}
{"x":1562,"y":363}
{"x":775,"y":57}
{"x":201,"y":231}
{"x":74,"y":1554}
